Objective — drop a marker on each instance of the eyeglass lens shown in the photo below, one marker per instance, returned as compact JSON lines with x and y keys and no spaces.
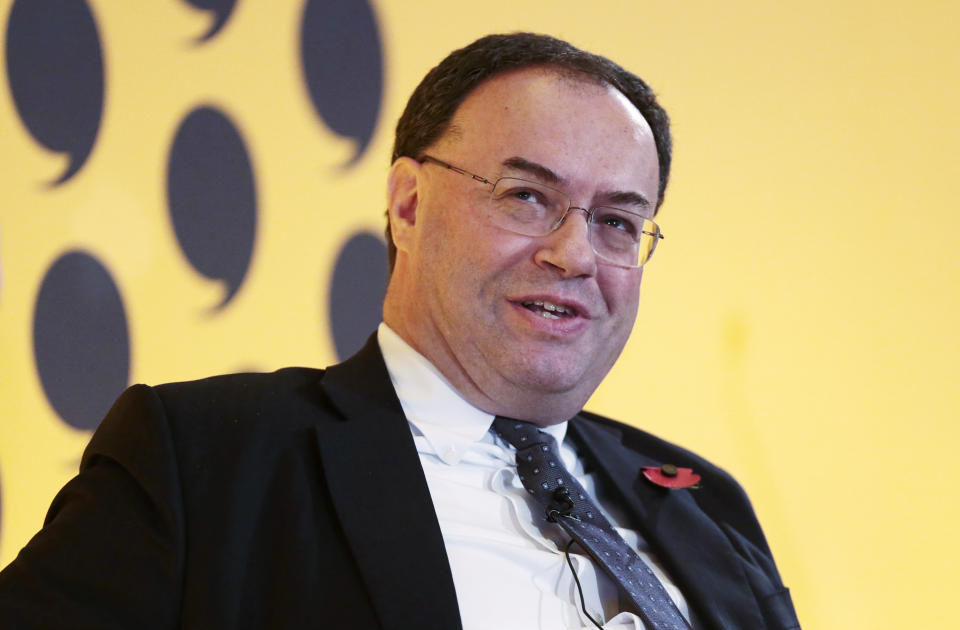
{"x":619,"y":236}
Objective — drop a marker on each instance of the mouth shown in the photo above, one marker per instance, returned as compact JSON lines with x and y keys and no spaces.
{"x":550,"y":310}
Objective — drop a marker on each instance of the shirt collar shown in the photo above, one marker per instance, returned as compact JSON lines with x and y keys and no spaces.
{"x":433,"y":406}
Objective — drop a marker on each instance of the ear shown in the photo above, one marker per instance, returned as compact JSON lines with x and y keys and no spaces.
{"x":402,"y":200}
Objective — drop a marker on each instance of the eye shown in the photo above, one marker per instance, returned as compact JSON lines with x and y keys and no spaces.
{"x":527,"y":195}
{"x":521,"y":202}
{"x":618,"y":221}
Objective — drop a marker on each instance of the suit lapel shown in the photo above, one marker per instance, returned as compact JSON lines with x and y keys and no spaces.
{"x":381,"y":497}
{"x":694,"y":550}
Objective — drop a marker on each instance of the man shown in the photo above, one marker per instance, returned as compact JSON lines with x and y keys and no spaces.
{"x":382,"y":492}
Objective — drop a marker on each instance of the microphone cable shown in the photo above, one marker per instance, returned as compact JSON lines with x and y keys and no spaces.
{"x":573,"y":572}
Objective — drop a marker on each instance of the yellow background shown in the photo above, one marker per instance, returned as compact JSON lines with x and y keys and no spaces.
{"x":798,"y":324}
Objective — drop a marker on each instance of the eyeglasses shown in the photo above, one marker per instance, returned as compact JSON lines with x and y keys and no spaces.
{"x":619,"y":237}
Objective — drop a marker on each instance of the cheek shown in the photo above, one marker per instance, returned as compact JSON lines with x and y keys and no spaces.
{"x":622,"y":299}
{"x":441,"y":242}
{"x":620,"y":289}
{"x":487,"y":254}
{"x":458,"y":266}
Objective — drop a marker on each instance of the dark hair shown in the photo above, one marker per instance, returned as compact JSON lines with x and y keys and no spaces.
{"x":434,"y":102}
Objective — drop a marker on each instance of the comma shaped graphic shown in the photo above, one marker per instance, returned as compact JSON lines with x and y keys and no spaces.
{"x":220,"y":11}
{"x":55,"y":69}
{"x":211,"y":196}
{"x":342,"y":59}
{"x":80,"y":341}
{"x":356,"y":291}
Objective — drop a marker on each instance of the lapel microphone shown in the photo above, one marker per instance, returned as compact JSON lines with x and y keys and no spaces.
{"x":561,"y":505}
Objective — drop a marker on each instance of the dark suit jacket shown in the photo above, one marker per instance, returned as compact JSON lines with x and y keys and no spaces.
{"x":296,"y":499}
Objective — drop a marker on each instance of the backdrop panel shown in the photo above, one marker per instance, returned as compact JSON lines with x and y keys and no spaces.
{"x":197,"y":186}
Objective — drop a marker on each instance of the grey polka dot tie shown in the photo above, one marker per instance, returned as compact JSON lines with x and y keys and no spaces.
{"x":545,"y":478}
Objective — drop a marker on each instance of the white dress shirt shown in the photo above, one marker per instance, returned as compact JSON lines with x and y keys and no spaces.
{"x":507,"y":561}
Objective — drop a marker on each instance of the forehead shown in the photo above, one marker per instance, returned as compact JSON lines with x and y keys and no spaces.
{"x":580,"y":129}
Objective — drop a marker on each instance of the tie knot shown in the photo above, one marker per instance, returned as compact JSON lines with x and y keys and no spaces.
{"x":520,"y":434}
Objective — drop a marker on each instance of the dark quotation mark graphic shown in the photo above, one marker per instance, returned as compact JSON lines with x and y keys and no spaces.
{"x":80,"y":341}
{"x":343,"y":66}
{"x":212,"y":198}
{"x":220,"y":12}
{"x":356,"y":292}
{"x":55,"y":68}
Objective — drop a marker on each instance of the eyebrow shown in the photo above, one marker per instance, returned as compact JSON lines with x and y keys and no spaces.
{"x":622,"y":197}
{"x":630,"y":198}
{"x":541,"y":171}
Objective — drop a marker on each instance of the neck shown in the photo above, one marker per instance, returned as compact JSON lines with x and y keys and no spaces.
{"x":500,"y":399}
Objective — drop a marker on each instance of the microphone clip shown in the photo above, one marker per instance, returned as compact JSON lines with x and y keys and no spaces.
{"x":562,"y":504}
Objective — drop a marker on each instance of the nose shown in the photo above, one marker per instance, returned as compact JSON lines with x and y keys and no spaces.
{"x":567,"y":249}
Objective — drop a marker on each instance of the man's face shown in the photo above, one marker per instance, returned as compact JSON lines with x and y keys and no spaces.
{"x":475,"y":298}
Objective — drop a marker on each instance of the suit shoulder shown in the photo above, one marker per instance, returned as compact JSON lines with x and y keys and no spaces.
{"x":228,"y":418}
{"x":232,"y":389}
{"x":658,"y":448}
{"x":720,"y":494}
{"x":279,"y":397}
{"x":283,"y":379}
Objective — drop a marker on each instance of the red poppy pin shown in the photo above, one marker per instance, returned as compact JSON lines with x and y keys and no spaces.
{"x":673,"y":477}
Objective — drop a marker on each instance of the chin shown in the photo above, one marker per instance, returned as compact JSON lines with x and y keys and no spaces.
{"x":546,"y":409}
{"x":557,"y":384}
{"x":555,"y":372}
